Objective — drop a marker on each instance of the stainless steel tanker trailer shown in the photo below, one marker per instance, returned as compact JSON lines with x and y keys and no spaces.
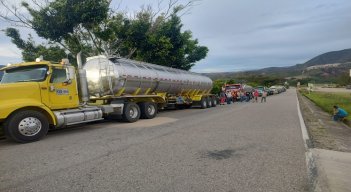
{"x":134,"y":88}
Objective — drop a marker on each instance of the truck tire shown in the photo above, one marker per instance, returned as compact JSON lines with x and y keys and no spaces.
{"x":131,"y":112}
{"x":209,"y":102}
{"x":203,"y":103}
{"x":26,"y":126}
{"x":214,"y":101}
{"x":148,"y":110}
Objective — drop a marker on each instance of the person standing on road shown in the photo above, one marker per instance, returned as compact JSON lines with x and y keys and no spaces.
{"x":229,"y":97}
{"x":222,"y":98}
{"x":248,"y":96}
{"x":339,"y":113}
{"x":233,"y":95}
{"x":243,"y":96}
{"x":239,"y":96}
{"x":252,"y":96}
{"x":255,"y":94}
{"x":264,"y":95}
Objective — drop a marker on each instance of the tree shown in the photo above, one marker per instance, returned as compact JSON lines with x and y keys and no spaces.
{"x":231,"y":81}
{"x":167,"y":45}
{"x":93,"y":27}
{"x":31,"y":51}
{"x":217,"y":86}
{"x":343,"y":79}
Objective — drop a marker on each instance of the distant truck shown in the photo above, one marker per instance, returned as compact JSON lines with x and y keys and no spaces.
{"x":36,"y":96}
{"x":246,"y":89}
{"x":233,"y":87}
{"x":239,"y":87}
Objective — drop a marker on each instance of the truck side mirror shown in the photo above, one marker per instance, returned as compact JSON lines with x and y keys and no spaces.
{"x":67,"y":82}
{"x":70,"y":75}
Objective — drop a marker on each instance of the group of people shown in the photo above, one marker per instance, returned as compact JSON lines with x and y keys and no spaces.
{"x":229,"y":96}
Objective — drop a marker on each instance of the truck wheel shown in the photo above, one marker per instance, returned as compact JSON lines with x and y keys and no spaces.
{"x":209,"y":102}
{"x":26,"y":126}
{"x":203,"y":103}
{"x":214,"y":101}
{"x":131,"y":112}
{"x":148,"y":110}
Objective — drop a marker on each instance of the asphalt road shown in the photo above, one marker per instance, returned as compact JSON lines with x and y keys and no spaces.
{"x":238,"y":147}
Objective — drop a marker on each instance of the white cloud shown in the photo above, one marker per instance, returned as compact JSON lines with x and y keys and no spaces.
{"x":256,"y":34}
{"x":9,"y":51}
{"x":245,"y":35}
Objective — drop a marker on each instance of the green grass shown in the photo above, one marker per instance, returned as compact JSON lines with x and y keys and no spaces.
{"x":326,"y":101}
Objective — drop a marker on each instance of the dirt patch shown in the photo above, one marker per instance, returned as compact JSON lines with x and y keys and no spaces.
{"x":323,"y":131}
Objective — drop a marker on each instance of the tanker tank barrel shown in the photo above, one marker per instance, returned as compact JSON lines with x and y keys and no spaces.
{"x":118,"y":75}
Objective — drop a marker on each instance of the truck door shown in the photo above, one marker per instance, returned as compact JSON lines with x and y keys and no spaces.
{"x":63,"y":91}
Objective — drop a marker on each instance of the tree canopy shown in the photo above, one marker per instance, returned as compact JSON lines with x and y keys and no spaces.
{"x":91,"y":26}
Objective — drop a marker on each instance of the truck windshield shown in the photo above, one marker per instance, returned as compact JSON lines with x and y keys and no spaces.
{"x":24,"y":74}
{"x":229,"y":87}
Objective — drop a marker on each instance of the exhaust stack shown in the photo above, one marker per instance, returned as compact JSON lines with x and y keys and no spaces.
{"x":83,"y":88}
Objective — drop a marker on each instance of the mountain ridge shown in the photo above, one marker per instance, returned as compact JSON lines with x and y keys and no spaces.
{"x":330,"y":64}
{"x":341,"y":56}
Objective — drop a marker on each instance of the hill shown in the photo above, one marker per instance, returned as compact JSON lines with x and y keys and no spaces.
{"x":342,"y":56}
{"x":327,"y":67}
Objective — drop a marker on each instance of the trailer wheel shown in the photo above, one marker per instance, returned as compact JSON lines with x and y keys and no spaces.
{"x":26,"y":126}
{"x":148,"y":110}
{"x":203,"y":103}
{"x":209,"y":102}
{"x":131,"y":112}
{"x":214,"y":101}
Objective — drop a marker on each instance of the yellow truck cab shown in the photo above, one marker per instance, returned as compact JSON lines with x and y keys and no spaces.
{"x":30,"y":93}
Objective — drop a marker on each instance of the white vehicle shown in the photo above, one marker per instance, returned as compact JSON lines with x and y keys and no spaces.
{"x":274,"y":89}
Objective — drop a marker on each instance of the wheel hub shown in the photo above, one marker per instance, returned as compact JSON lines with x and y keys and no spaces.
{"x":29,"y":126}
{"x":151,"y":110}
{"x":133,"y":112}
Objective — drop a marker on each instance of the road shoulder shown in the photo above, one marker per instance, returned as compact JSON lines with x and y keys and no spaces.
{"x":329,"y":149}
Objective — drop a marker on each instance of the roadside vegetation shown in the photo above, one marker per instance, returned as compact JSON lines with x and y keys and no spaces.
{"x":326,"y":101}
{"x":152,"y":34}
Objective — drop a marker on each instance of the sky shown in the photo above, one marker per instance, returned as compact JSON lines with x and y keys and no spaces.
{"x":250,"y":34}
